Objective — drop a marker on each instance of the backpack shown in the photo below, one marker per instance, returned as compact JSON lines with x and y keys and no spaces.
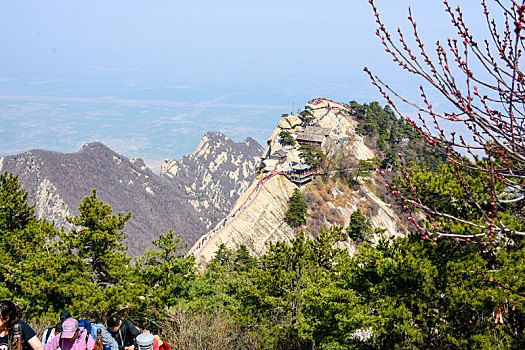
{"x":164,"y":346}
{"x":45,"y":336}
{"x":94,"y":327}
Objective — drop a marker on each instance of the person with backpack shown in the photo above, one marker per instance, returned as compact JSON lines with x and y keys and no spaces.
{"x":161,"y":344}
{"x":81,"y":323}
{"x":51,"y":332}
{"x":124,"y":332}
{"x":48,"y":335}
{"x":10,"y":315}
{"x":72,"y":337}
{"x":108,"y":341}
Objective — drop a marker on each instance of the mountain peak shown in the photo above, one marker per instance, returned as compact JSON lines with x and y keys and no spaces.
{"x":251,"y":142}
{"x":215,"y":135}
{"x":95,"y":147}
{"x":257,"y":218}
{"x":219,"y":169}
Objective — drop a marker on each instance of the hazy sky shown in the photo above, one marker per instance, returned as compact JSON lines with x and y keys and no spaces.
{"x":149,"y":78}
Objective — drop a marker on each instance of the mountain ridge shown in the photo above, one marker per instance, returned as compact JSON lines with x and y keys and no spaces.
{"x":56,"y":183}
{"x":257,"y":219}
{"x":215,"y":154}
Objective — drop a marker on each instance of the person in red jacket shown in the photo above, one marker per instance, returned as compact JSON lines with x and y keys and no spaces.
{"x":159,"y":344}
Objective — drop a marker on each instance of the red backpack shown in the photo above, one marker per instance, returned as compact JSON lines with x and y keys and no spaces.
{"x":164,"y":346}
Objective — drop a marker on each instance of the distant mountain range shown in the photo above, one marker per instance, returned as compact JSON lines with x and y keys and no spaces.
{"x":189,"y":196}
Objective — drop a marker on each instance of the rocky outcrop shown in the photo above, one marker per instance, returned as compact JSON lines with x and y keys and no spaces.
{"x":257,"y":219}
{"x":179,"y":200}
{"x":216,"y":174}
{"x":290,"y":122}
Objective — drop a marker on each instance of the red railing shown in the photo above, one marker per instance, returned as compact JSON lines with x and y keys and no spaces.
{"x":261,"y":183}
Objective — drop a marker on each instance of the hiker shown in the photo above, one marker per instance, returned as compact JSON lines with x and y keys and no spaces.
{"x":72,"y":337}
{"x":81,"y":323}
{"x":51,"y":332}
{"x":161,"y":345}
{"x":124,"y":332}
{"x":146,"y":341}
{"x":108,"y":341}
{"x":10,"y":314}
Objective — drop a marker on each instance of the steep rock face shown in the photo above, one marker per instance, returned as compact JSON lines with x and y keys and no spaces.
{"x":258,"y":216}
{"x":57,"y":182}
{"x":216,"y":174}
{"x":332,"y":202}
{"x":255,"y":221}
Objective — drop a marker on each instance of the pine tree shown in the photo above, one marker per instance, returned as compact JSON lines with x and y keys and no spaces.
{"x":272,"y":295}
{"x":99,"y":240}
{"x":277,"y":296}
{"x":15,"y":212}
{"x":297,"y":210}
{"x":311,"y":155}
{"x":287,"y":138}
{"x":31,"y":252}
{"x":359,"y":229}
{"x":242,"y":259}
{"x":166,"y":272}
{"x":105,"y":281}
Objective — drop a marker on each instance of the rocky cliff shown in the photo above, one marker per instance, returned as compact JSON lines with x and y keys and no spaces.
{"x":216,"y":174}
{"x":57,"y":182}
{"x":258,"y":216}
{"x":255,"y":221}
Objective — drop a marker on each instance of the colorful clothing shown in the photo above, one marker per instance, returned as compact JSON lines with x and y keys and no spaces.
{"x":27,"y":334}
{"x":84,"y":341}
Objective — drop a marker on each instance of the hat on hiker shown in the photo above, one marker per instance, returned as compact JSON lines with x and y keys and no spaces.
{"x":145,"y":341}
{"x":65,"y":314}
{"x":69,"y":327}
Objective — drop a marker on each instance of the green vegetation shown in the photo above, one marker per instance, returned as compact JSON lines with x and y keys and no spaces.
{"x":287,"y":138}
{"x":366,"y":166}
{"x":375,"y":120}
{"x":359,"y":229}
{"x":311,"y":155}
{"x":98,"y":263}
{"x":165,"y":273}
{"x":306,"y":116}
{"x":297,"y":209}
{"x":393,"y":135}
{"x":32,"y":270}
